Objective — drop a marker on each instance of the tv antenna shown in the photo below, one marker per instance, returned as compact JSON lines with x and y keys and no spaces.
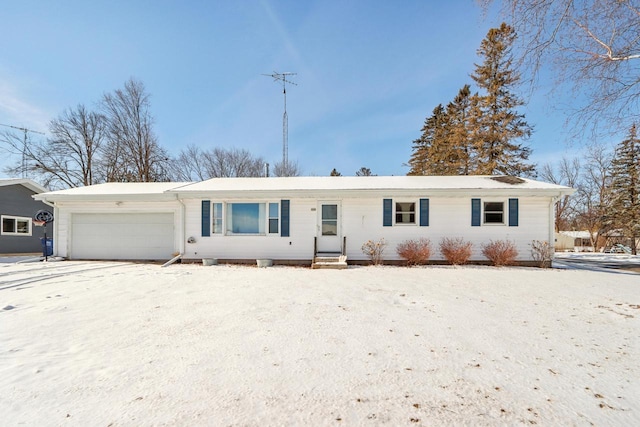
{"x":283,"y":77}
{"x":24,"y":145}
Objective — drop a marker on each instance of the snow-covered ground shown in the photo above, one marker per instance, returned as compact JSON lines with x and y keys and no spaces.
{"x":599,"y":256}
{"x":121,"y":344}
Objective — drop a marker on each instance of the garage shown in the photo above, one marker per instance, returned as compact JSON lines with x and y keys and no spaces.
{"x":126,"y":236}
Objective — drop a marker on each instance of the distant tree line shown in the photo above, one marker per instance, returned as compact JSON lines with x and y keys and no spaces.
{"x":363,"y":171}
{"x":607,"y":200}
{"x":116,"y":142}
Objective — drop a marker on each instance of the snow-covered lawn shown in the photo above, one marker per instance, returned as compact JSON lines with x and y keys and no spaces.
{"x":116,"y":344}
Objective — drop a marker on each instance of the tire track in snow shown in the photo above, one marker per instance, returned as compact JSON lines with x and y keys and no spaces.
{"x":20,"y":282}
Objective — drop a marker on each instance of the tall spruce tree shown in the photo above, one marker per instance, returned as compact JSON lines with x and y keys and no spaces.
{"x":500,"y":126}
{"x":430,"y":151}
{"x":459,"y":144}
{"x":624,"y":212}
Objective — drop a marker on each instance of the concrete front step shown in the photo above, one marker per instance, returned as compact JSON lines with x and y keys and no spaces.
{"x":330,"y":262}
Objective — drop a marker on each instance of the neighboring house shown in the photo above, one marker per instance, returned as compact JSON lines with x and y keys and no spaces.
{"x":290,"y":220}
{"x":574,"y":241}
{"x":17,"y":208}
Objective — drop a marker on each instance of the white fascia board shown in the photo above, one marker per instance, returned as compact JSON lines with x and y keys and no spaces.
{"x":344,"y":193}
{"x":53,"y":198}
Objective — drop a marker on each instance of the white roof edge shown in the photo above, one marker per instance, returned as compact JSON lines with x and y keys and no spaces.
{"x":26,"y":182}
{"x":308,"y":187}
{"x":382,"y":192}
{"x":367,"y":184}
{"x":114,"y":191}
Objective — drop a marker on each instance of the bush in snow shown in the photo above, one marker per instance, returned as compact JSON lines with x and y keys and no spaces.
{"x":456,"y":251}
{"x":415,"y":252}
{"x":500,"y":252}
{"x":374,"y":250}
{"x":542,"y":252}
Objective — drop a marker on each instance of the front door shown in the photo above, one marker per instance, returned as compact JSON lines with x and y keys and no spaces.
{"x":329,"y":227}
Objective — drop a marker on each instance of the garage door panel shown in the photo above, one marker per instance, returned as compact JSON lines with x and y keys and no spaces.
{"x":122,"y":236}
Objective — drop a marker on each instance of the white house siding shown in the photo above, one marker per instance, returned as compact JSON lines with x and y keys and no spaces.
{"x":298,"y":246}
{"x":65,"y":212}
{"x":448,"y":217}
{"x":362,"y":220}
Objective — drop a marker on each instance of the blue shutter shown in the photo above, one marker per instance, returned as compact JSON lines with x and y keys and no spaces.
{"x":284,"y":218}
{"x":513,"y":212}
{"x":206,"y":218}
{"x":387,"y":213}
{"x":424,"y":212}
{"x":475,"y":213}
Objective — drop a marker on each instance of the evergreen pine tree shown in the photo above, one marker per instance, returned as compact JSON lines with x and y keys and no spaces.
{"x":459,"y":139}
{"x":418,"y":159}
{"x":624,"y":212}
{"x":500,"y":125}
{"x":429,"y":151}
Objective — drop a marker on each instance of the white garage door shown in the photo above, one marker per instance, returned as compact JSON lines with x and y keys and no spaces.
{"x":122,"y":236}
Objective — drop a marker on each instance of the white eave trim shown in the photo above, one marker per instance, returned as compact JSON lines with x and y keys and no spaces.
{"x":162,"y":197}
{"x":343,"y":193}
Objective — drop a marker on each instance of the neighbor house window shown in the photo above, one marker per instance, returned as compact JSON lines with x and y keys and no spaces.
{"x":15,"y":226}
{"x":246,"y":218}
{"x":217,"y":218}
{"x":493,"y":212}
{"x":273,"y":217}
{"x":405,"y":213}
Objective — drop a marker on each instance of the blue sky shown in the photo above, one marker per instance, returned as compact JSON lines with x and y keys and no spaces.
{"x":368,"y":72}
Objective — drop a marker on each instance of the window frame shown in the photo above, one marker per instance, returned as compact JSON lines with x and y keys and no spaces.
{"x":275,"y":217}
{"x":214,"y":218}
{"x":485,"y":211}
{"x":413,"y":212}
{"x":331,"y":221}
{"x":16,"y":219}
{"x":265,"y":223}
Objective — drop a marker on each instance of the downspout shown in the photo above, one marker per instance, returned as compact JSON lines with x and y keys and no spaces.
{"x":552,"y":224}
{"x":183,"y":226}
{"x":181,"y":235}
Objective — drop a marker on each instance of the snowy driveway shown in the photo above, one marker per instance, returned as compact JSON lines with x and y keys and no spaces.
{"x":11,"y":259}
{"x":598,"y":261}
{"x":86,"y":343}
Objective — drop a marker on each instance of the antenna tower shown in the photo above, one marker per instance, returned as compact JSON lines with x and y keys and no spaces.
{"x":24,"y":145}
{"x":283,"y":77}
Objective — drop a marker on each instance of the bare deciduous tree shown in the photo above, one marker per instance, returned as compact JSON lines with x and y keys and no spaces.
{"x":286,"y":169}
{"x":133,"y":152}
{"x":566,"y":173}
{"x":233,"y":163}
{"x":195,"y":164}
{"x":595,"y":192}
{"x":189,"y":165}
{"x":69,"y":158}
{"x":594,"y":46}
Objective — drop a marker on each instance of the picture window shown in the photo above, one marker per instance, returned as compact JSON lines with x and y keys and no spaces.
{"x":246,"y":218}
